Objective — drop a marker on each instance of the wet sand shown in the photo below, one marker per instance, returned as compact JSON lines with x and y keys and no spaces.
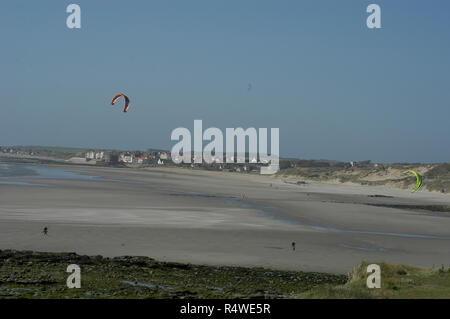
{"x":222,"y":219}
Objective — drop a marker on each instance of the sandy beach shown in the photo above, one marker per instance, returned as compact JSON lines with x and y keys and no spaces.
{"x":220,"y":218}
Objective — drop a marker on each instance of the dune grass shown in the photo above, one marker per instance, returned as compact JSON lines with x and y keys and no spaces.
{"x":397,"y":282}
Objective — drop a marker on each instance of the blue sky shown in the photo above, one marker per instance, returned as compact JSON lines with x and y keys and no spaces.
{"x":336,"y":89}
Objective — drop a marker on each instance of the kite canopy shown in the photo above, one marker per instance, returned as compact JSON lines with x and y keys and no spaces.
{"x":127,"y":101}
{"x":419,"y":180}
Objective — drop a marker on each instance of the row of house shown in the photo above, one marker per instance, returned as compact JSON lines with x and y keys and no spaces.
{"x":131,"y":158}
{"x":225,"y":158}
{"x":17,"y":151}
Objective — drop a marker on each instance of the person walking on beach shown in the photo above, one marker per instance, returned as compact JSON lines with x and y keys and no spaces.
{"x":45,"y":231}
{"x":293,"y":245}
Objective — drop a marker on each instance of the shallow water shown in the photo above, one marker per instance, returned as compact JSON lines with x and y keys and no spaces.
{"x":270,"y":213}
{"x":22,"y":183}
{"x":374,"y":249}
{"x":10,"y":171}
{"x":15,"y":170}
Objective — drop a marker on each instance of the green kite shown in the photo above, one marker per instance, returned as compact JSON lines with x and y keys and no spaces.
{"x":419,"y":180}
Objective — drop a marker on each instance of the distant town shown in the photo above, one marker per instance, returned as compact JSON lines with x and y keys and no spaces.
{"x":118,"y":158}
{"x":153,"y":158}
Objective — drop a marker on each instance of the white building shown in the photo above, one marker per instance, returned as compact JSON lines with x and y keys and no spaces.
{"x":90,"y":155}
{"x":95,"y":155}
{"x":100,"y":155}
{"x":126,"y":158}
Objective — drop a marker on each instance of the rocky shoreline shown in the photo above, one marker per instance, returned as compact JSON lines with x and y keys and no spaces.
{"x":28,"y":274}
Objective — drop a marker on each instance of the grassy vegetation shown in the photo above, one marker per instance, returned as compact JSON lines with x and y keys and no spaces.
{"x":54,"y":151}
{"x":436,"y":176}
{"x":25,"y":274}
{"x":397,"y":281}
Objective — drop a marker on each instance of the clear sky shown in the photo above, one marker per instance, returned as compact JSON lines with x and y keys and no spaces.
{"x":336,"y":89}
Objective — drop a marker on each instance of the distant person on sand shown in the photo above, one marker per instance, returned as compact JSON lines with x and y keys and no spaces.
{"x":45,"y":231}
{"x":293,"y":245}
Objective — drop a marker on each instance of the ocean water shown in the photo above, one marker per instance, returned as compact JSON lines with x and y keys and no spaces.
{"x":11,"y":171}
{"x":15,"y":170}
